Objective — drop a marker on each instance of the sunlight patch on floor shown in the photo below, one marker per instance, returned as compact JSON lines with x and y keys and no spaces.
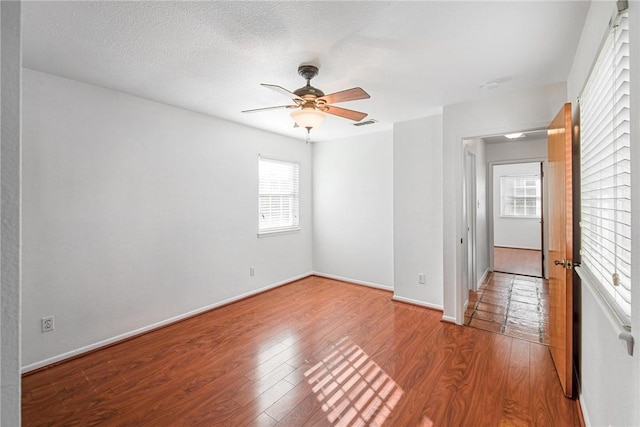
{"x":352,"y":388}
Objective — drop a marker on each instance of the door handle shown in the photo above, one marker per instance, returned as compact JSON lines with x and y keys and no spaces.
{"x":568,"y":264}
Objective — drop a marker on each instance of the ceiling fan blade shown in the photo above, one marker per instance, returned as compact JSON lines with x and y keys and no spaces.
{"x":256,"y":110}
{"x":281,"y":90}
{"x":346,"y":95}
{"x":346,"y":113}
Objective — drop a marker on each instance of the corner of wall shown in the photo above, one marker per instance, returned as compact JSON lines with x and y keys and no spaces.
{"x":10,"y":177}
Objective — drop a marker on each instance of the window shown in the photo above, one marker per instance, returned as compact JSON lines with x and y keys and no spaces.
{"x":278,"y":200}
{"x":605,"y":167}
{"x":520,"y":196}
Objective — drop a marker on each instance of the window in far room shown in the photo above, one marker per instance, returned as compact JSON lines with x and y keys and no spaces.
{"x":278,"y":196}
{"x":520,"y":196}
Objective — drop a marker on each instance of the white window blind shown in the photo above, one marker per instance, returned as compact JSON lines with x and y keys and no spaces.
{"x":278,"y":200}
{"x":520,"y":196}
{"x":605,"y":167}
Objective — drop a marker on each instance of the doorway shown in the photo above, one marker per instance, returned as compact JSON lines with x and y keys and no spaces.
{"x":517,"y":219}
{"x":512,"y":298}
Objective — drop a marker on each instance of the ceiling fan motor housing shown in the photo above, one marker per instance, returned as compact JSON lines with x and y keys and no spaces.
{"x":308,"y":72}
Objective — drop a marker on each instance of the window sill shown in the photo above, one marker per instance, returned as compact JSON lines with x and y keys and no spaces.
{"x":621,"y":329}
{"x":278,"y":232}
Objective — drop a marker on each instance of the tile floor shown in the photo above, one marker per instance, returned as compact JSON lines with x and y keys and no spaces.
{"x":513,"y":305}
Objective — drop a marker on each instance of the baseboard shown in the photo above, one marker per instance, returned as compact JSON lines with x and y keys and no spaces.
{"x":449,"y":319}
{"x":354,"y":281}
{"x":418,"y":303}
{"x":484,"y":276}
{"x":132,"y":334}
{"x":517,"y":247}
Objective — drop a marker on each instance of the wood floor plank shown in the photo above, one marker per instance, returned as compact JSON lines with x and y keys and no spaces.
{"x":438,"y":407}
{"x":486,"y":391}
{"x":516,"y":403}
{"x":316,"y":352}
{"x":461,"y":410}
{"x":545,"y":410}
{"x":259,"y":404}
{"x":439,"y":353}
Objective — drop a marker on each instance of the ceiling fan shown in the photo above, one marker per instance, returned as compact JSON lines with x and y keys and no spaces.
{"x":312,"y":105}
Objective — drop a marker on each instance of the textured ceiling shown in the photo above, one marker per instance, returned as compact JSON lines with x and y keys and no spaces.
{"x":411,"y":57}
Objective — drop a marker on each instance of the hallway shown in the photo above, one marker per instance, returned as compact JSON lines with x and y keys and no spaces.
{"x":512,"y":305}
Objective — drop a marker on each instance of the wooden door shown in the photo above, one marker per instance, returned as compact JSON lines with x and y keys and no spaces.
{"x":561,"y":247}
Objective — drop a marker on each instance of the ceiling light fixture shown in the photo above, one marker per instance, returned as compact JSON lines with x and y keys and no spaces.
{"x":492,"y":85}
{"x":308,"y":118}
{"x":515,"y":135}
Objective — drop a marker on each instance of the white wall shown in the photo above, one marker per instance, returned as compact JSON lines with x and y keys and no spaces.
{"x":353,"y":209}
{"x":135,"y":213}
{"x":417,"y":210}
{"x":517,"y":151}
{"x":610,"y":378}
{"x":10,"y":74}
{"x":511,"y":232}
{"x":496,"y":114}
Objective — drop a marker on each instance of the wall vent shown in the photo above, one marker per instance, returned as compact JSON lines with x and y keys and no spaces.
{"x":366,"y":122}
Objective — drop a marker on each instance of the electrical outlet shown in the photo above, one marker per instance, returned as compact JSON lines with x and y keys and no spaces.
{"x":252,"y":271}
{"x":47,"y":324}
{"x":421,"y":278}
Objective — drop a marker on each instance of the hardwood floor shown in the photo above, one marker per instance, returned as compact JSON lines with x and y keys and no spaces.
{"x":513,"y":305}
{"x":526,"y":262}
{"x":316,"y":352}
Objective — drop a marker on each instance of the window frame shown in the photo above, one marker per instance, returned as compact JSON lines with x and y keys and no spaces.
{"x":293,"y":225}
{"x":593,"y":263}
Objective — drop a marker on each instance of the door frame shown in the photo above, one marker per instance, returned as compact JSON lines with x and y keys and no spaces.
{"x":455,"y":263}
{"x":470,"y":273}
{"x":543,"y":226}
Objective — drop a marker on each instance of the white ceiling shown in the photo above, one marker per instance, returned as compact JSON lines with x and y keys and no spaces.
{"x":411,"y":57}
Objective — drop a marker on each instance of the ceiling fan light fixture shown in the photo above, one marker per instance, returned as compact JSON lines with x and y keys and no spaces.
{"x":308,"y":117}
